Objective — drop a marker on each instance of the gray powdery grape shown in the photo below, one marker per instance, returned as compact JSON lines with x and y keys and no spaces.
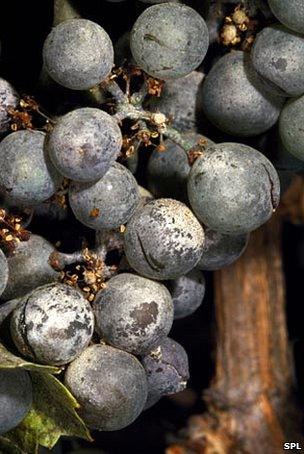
{"x":78,"y":54}
{"x":108,"y":203}
{"x":27,"y":176}
{"x":3,"y":272}
{"x":169,"y":40}
{"x":163,"y":240}
{"x":110,"y":386}
{"x":53,"y":324}
{"x":290,"y":13}
{"x":167,"y":171}
{"x":167,"y":369}
{"x":181,"y":100}
{"x":235,"y":99}
{"x":277,"y":55}
{"x":8,"y":99}
{"x":233,"y":189}
{"x":15,"y":397}
{"x":221,"y":250}
{"x":84,"y":144}
{"x":187,"y":293}
{"x":133,"y":313}
{"x":291,"y":127}
{"x":29,"y":267}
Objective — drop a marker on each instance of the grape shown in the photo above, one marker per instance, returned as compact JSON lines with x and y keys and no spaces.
{"x":15,"y":397}
{"x":53,"y":324}
{"x":3,"y":272}
{"x":8,"y":99}
{"x":181,"y":100}
{"x":133,"y":313}
{"x":291,"y":127}
{"x":163,"y":240}
{"x":29,"y":267}
{"x":167,"y":171}
{"x":233,"y":189}
{"x":84,"y":143}
{"x":26,"y":177}
{"x":167,"y":369}
{"x":221,"y":250}
{"x":160,"y":1}
{"x":277,"y":55}
{"x":169,"y":40}
{"x":187,"y":293}
{"x":109,"y":202}
{"x":110,"y":385}
{"x":78,"y":54}
{"x":235,"y":99}
{"x":290,"y":13}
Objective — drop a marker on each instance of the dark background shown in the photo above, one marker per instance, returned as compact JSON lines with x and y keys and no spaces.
{"x":23,"y":28}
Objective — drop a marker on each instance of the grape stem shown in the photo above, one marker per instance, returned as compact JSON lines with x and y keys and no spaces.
{"x":131,"y":108}
{"x":64,"y":10}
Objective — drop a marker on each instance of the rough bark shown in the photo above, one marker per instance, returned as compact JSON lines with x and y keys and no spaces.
{"x":251,"y":403}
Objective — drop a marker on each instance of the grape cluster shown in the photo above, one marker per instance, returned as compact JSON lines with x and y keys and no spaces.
{"x":158,"y":175}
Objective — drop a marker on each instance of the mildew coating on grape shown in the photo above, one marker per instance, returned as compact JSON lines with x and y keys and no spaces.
{"x":110,"y":386}
{"x":221,"y":250}
{"x":78,"y":54}
{"x":29,"y":267}
{"x":16,"y":397}
{"x":289,"y":13}
{"x":167,"y":171}
{"x":277,"y":55}
{"x":8,"y":99}
{"x":187,"y":293}
{"x":291,"y":127}
{"x":236,"y":99}
{"x":84,"y":143}
{"x":3,"y":272}
{"x":53,"y":325}
{"x":181,"y":100}
{"x":167,"y":369}
{"x":163,"y":240}
{"x":27,"y":176}
{"x":233,"y":189}
{"x":169,"y":40}
{"x":109,"y":202}
{"x":133,"y":313}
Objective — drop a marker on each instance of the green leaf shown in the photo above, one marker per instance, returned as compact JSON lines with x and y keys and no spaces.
{"x":52,"y":415}
{"x":9,"y":361}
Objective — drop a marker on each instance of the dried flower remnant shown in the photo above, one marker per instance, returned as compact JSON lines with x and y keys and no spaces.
{"x":11,"y":231}
{"x":28,"y":115}
{"x":239,"y":30}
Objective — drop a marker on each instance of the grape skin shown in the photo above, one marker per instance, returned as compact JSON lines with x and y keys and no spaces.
{"x":169,"y":40}
{"x":84,"y":144}
{"x":277,"y":55}
{"x":110,"y":386}
{"x":163,"y":240}
{"x":29,"y":267}
{"x":167,"y":369}
{"x":221,"y":250}
{"x":133,"y":313}
{"x":290,"y":13}
{"x":235,"y":99}
{"x":108,"y":203}
{"x":233,"y":189}
{"x":187,"y":293}
{"x":3,"y":272}
{"x":16,"y":397}
{"x":8,"y":99}
{"x":53,"y":324}
{"x":27,"y":176}
{"x":78,"y":54}
{"x":291,"y":127}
